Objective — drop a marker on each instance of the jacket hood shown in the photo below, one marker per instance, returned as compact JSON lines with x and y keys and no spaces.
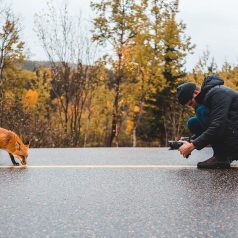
{"x":208,"y":83}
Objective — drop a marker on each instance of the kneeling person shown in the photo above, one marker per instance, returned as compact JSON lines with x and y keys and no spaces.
{"x":215,"y":123}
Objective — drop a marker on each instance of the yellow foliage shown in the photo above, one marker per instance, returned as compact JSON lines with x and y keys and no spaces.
{"x":129,"y":127}
{"x":121,"y":102}
{"x":9,"y":95}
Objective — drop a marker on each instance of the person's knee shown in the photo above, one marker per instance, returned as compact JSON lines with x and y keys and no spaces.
{"x":202,"y":114}
{"x":194,"y":125}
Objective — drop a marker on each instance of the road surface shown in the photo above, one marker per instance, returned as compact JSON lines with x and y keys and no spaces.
{"x":116,"y":192}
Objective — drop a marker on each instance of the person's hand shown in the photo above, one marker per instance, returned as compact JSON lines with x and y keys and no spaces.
{"x":186,"y":148}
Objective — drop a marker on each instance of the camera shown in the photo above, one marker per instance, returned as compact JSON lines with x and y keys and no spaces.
{"x":174,"y":145}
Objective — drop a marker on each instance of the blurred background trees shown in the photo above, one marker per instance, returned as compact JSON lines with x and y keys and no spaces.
{"x":124,"y":97}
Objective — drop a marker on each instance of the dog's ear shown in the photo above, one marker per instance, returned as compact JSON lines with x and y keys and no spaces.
{"x":18,"y":146}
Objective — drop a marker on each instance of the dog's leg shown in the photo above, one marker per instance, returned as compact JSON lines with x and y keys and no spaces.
{"x":13,"y":160}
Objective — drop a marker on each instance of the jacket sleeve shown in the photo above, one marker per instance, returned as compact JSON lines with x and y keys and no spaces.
{"x":219,"y":105}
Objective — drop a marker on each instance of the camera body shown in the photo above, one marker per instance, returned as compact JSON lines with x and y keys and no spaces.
{"x":174,"y":145}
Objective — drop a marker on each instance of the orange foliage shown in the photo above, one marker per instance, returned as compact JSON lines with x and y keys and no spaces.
{"x":46,"y":73}
{"x":31,"y":98}
{"x":136,"y":109}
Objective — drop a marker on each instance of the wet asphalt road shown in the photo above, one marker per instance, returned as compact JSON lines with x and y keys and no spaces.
{"x":120,"y":201}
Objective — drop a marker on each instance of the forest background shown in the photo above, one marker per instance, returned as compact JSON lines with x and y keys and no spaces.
{"x":79,"y":98}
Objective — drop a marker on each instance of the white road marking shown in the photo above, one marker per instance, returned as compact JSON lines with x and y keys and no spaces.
{"x":101,"y":166}
{"x":109,"y":166}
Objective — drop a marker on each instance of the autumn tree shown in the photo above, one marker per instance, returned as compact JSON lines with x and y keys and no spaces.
{"x":11,"y":48}
{"x":206,"y":65}
{"x":229,"y":73}
{"x":113,"y":26}
{"x":174,"y":45}
{"x":72,"y":80}
{"x":140,"y":72}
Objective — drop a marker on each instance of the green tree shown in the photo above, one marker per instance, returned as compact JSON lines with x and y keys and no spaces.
{"x":174,"y":45}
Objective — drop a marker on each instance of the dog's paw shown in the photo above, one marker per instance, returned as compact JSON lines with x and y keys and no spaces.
{"x":16,"y":164}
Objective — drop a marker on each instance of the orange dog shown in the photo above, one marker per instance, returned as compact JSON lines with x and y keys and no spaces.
{"x":10,"y":142}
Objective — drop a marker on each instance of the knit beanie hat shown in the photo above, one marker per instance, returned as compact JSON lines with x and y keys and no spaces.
{"x":185,"y":92}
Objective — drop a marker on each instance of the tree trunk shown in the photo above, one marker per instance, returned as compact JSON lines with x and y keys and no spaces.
{"x":134,"y":137}
{"x":115,"y":115}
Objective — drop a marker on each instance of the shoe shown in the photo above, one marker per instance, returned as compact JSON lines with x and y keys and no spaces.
{"x":214,"y":163}
{"x":232,"y":158}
